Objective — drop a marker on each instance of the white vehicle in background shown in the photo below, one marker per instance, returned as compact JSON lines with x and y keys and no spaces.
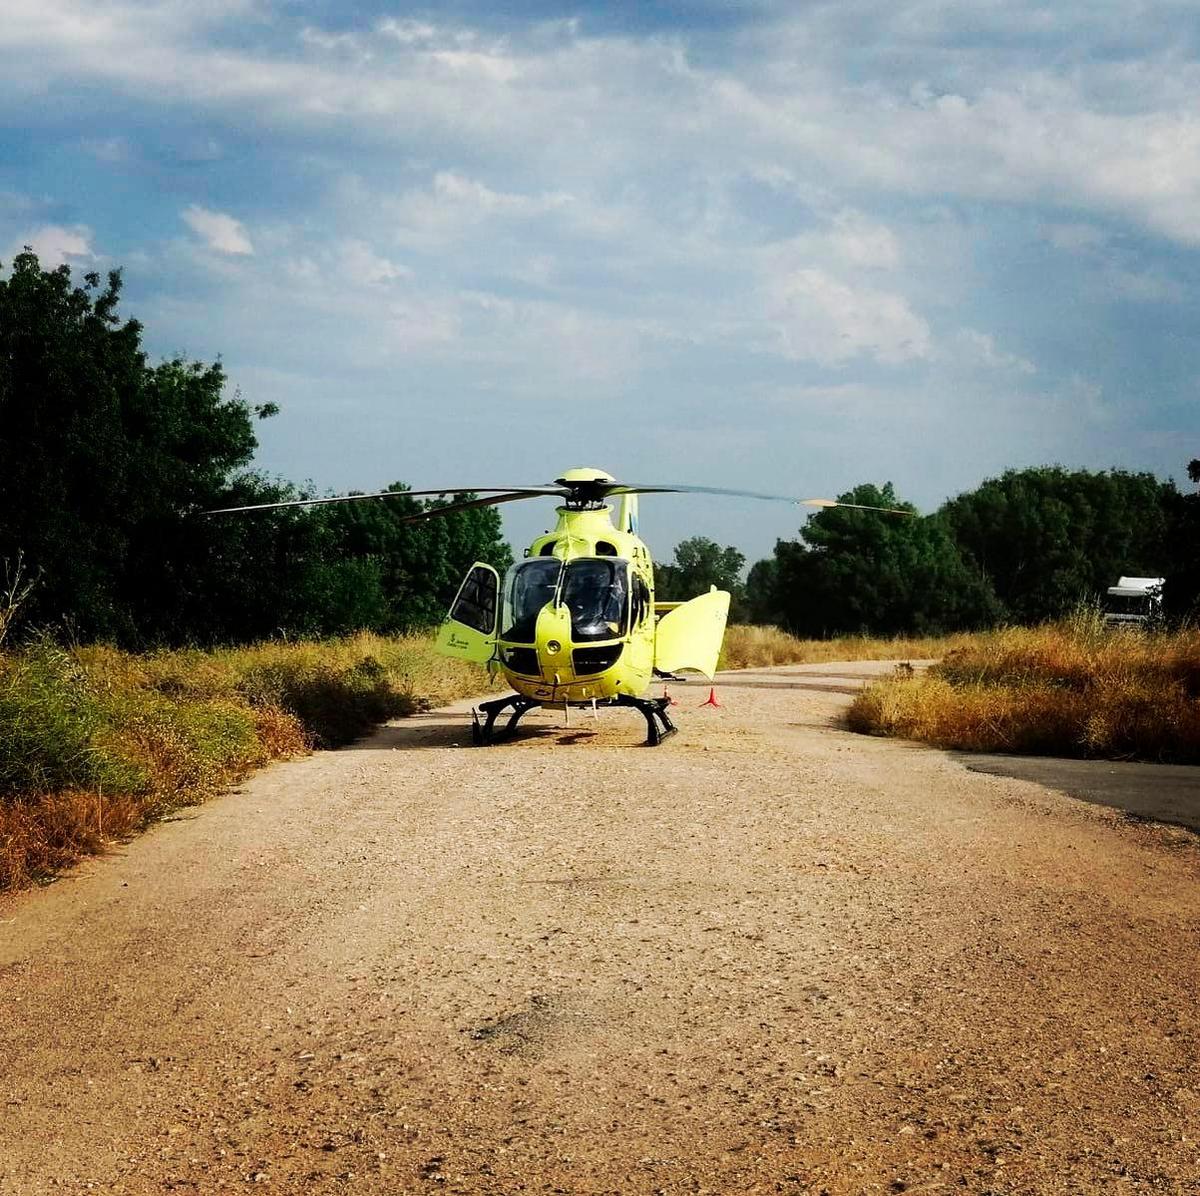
{"x":1134,"y":601}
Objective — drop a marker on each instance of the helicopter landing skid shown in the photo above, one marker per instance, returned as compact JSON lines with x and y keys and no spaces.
{"x":484,"y":733}
{"x":652,"y":708}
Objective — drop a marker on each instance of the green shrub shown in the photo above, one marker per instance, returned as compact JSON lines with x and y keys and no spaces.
{"x":52,"y":720}
{"x":95,"y":741}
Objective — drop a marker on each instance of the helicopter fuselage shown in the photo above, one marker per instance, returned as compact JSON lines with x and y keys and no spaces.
{"x":577,"y":614}
{"x":575,"y":622}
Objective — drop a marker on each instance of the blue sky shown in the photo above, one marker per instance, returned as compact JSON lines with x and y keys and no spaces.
{"x":788,"y":247}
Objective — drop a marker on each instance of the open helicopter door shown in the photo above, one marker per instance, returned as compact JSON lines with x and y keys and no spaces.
{"x":689,"y":635}
{"x":469,"y":630}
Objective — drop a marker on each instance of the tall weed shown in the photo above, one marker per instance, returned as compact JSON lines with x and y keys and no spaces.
{"x":750,"y":647}
{"x":1072,"y":688}
{"x":95,"y":742}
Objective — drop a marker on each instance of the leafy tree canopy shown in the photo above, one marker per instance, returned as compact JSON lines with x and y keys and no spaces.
{"x":103,"y":456}
{"x":862,"y":571}
{"x":699,"y":564}
{"x":1182,"y":568}
{"x":1049,"y":537}
{"x":107,"y":461}
{"x":417,"y":566}
{"x":762,"y":604}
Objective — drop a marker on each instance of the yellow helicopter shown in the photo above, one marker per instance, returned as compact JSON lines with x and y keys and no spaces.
{"x":575,"y":623}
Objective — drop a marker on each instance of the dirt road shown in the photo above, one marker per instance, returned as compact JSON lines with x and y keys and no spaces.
{"x":769,"y":956}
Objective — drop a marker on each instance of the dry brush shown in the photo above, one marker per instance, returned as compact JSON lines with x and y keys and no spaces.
{"x":1071,"y":688}
{"x":96,"y":743}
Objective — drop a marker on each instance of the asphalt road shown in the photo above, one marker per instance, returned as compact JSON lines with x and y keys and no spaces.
{"x":1156,"y":792}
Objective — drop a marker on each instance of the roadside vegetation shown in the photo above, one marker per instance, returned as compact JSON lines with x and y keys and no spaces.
{"x":750,"y":647}
{"x":1069,"y":688}
{"x":108,"y":465}
{"x":98,"y":742}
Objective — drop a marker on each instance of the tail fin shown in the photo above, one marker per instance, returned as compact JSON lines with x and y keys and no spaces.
{"x":627,"y":514}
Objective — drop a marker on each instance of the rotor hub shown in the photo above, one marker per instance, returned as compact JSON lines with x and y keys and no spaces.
{"x":586,"y":487}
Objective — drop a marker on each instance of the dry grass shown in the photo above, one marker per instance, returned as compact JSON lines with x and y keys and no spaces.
{"x":1070,"y":688}
{"x":748,"y":647}
{"x":95,"y":742}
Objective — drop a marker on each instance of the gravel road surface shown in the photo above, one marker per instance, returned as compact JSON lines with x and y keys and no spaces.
{"x":769,"y":956}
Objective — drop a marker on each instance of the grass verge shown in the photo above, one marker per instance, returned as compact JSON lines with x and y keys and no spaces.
{"x":1070,"y":688}
{"x":95,"y":743}
{"x":749,"y":647}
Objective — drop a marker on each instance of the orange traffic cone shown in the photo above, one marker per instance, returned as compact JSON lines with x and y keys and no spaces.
{"x":711,"y":700}
{"x":667,"y":697}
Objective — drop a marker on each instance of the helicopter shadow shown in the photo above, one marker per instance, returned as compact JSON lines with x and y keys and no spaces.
{"x":434,"y":732}
{"x":416,"y":732}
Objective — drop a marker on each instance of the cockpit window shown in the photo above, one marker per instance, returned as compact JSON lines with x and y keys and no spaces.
{"x":527,"y":588}
{"x":597,"y":594}
{"x":594,"y":590}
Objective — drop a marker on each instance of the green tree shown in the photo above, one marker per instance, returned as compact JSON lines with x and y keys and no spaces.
{"x":255,"y":575}
{"x":107,"y":465}
{"x":103,"y":458}
{"x":762,"y":604}
{"x":862,"y":571}
{"x":417,"y":567}
{"x":699,"y":564}
{"x":1049,"y":537}
{"x":1181,"y":594}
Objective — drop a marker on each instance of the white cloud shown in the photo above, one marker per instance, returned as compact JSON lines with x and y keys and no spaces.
{"x":408,"y":33}
{"x":469,"y":193}
{"x":1075,"y":238}
{"x":816,"y":317}
{"x":1109,"y":138}
{"x":56,"y":245}
{"x":981,"y":347}
{"x":1083,"y":398}
{"x":322,"y":40}
{"x":453,"y":205}
{"x":359,"y":261}
{"x":218,"y":230}
{"x":863,"y":242}
{"x":570,"y":346}
{"x":1143,"y":286}
{"x":416,"y":324}
{"x":491,"y":66}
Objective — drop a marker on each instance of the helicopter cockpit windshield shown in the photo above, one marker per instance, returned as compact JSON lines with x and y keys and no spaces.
{"x":527,"y":588}
{"x":596,"y":592}
{"x":594,"y":589}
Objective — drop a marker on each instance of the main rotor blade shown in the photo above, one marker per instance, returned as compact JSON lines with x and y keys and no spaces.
{"x":511,"y":491}
{"x":490,"y":501}
{"x":801,"y":502}
{"x":853,"y":506}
